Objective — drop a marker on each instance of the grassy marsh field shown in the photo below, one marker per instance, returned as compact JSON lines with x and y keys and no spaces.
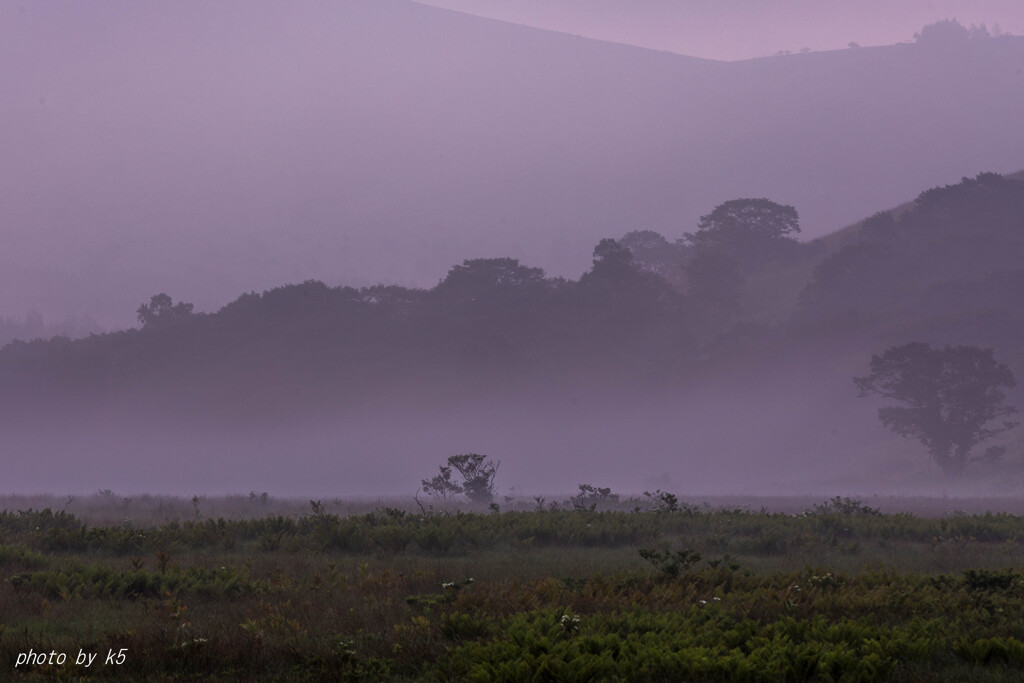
{"x":254,"y":588}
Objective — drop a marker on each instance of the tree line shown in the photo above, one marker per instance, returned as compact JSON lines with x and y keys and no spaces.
{"x":649,"y":311}
{"x":488,"y":316}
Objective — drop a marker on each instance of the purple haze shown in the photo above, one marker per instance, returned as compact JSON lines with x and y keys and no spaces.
{"x":210,"y":149}
{"x":206,"y":149}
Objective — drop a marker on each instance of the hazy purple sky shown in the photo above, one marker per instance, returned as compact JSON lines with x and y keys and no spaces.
{"x":742,"y":29}
{"x":210,"y":149}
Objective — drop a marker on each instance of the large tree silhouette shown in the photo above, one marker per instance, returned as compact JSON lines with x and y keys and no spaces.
{"x":161,"y":310}
{"x":949,"y":397}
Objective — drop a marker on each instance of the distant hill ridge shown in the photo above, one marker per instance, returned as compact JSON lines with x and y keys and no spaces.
{"x":851,"y":233}
{"x":395,"y":139}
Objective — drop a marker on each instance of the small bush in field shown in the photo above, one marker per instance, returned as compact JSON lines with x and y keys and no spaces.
{"x":590,"y":497}
{"x":844,"y":506}
{"x":663,"y":501}
{"x":671,"y":564}
{"x":477,"y":479}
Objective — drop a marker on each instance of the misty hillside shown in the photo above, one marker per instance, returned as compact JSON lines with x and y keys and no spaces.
{"x":650,"y":310}
{"x":204,"y":152}
{"x":663,"y":369}
{"x":778,"y":294}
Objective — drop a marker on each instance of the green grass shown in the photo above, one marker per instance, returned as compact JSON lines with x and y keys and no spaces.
{"x":837,"y":593}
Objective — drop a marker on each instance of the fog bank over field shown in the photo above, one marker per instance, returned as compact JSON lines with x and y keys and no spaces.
{"x":795,"y":429}
{"x":544,"y":449}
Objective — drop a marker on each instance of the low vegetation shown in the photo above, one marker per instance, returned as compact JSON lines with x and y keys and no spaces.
{"x":657,"y":591}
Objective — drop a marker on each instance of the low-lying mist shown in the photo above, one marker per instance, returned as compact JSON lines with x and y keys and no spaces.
{"x":797,"y":428}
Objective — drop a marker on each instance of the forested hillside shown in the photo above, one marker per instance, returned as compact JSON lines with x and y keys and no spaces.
{"x":649,"y":312}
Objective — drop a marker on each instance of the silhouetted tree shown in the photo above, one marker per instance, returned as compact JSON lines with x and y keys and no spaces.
{"x":618,"y":284}
{"x":488,"y":311}
{"x":949,"y":397}
{"x":162,"y":310}
{"x":741,"y":219}
{"x":442,"y":486}
{"x":610,"y":256}
{"x":482,"y":280}
{"x":655,"y":254}
{"x":949,"y":33}
{"x":590,"y":497}
{"x":619,"y":310}
{"x":477,"y":474}
{"x":398,"y":302}
{"x":750,"y":231}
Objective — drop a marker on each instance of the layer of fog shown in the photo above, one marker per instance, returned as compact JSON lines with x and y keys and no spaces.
{"x":795,"y":429}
